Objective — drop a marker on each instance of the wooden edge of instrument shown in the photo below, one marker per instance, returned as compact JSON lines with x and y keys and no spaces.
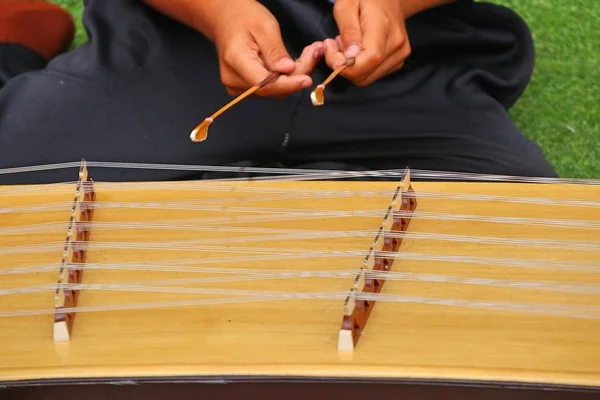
{"x":457,"y":380}
{"x":74,"y":255}
{"x":347,"y":372}
{"x":357,"y":310}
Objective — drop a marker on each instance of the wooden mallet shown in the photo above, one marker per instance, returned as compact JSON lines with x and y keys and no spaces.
{"x":200,"y":133}
{"x":317,"y":96}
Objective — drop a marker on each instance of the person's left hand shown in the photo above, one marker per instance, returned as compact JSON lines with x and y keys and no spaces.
{"x":372,"y":32}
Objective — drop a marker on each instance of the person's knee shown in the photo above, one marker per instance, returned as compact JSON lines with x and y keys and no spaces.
{"x":531,"y":168}
{"x":526,"y":160}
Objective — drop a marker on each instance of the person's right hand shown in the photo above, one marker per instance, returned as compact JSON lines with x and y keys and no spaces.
{"x":250,"y":46}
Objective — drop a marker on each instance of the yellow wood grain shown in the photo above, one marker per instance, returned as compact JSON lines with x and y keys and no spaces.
{"x":299,"y":337}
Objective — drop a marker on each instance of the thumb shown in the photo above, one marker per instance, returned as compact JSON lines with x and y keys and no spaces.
{"x":271,"y":46}
{"x":347,"y":17}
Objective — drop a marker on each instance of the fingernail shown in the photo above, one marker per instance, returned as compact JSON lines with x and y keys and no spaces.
{"x":306,"y":83}
{"x":352,"y":51}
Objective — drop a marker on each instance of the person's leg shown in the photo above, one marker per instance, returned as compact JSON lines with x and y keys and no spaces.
{"x":135,"y":91}
{"x":445,"y":110}
{"x":31,"y":33}
{"x":16,"y":59}
{"x":132,"y":94}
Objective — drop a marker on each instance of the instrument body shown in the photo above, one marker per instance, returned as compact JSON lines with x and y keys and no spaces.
{"x":191,"y":227}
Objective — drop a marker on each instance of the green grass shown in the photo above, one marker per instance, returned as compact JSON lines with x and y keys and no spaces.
{"x":561,"y":108}
{"x":76,"y":9}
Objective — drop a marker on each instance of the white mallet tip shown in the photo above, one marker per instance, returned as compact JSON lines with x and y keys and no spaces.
{"x":317,"y":98}
{"x":200,"y":133}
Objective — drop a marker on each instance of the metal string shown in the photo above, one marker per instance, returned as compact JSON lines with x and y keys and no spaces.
{"x":278,"y":235}
{"x":585,"y":312}
{"x":301,"y":174}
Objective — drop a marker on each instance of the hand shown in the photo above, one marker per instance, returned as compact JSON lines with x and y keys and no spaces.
{"x":372,"y":32}
{"x":250,"y":47}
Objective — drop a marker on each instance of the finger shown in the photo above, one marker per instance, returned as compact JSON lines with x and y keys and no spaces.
{"x":255,"y":72}
{"x":245,"y":68}
{"x":309,"y":59}
{"x":282,"y":87}
{"x":241,"y":68}
{"x":334,"y":57}
{"x":271,"y":47}
{"x":389,"y":66}
{"x":347,"y":16}
{"x":305,"y":64}
{"x":374,"y":42}
{"x":286,"y":85}
{"x":338,"y":40}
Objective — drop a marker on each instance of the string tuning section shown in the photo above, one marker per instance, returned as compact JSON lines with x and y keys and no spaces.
{"x":378,"y":261}
{"x":74,"y":256}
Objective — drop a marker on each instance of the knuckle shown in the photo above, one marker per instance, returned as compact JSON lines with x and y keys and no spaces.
{"x":269,"y":26}
{"x":375,"y":57}
{"x":398,"y":66}
{"x":407,"y":51}
{"x":229,"y":56}
{"x":338,"y":9}
{"x":402,"y":43}
{"x":225,"y":78}
{"x":398,"y":43}
{"x":402,"y":39}
{"x":230,"y":82}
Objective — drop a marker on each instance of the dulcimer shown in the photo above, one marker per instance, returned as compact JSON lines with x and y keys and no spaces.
{"x":300,"y":283}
